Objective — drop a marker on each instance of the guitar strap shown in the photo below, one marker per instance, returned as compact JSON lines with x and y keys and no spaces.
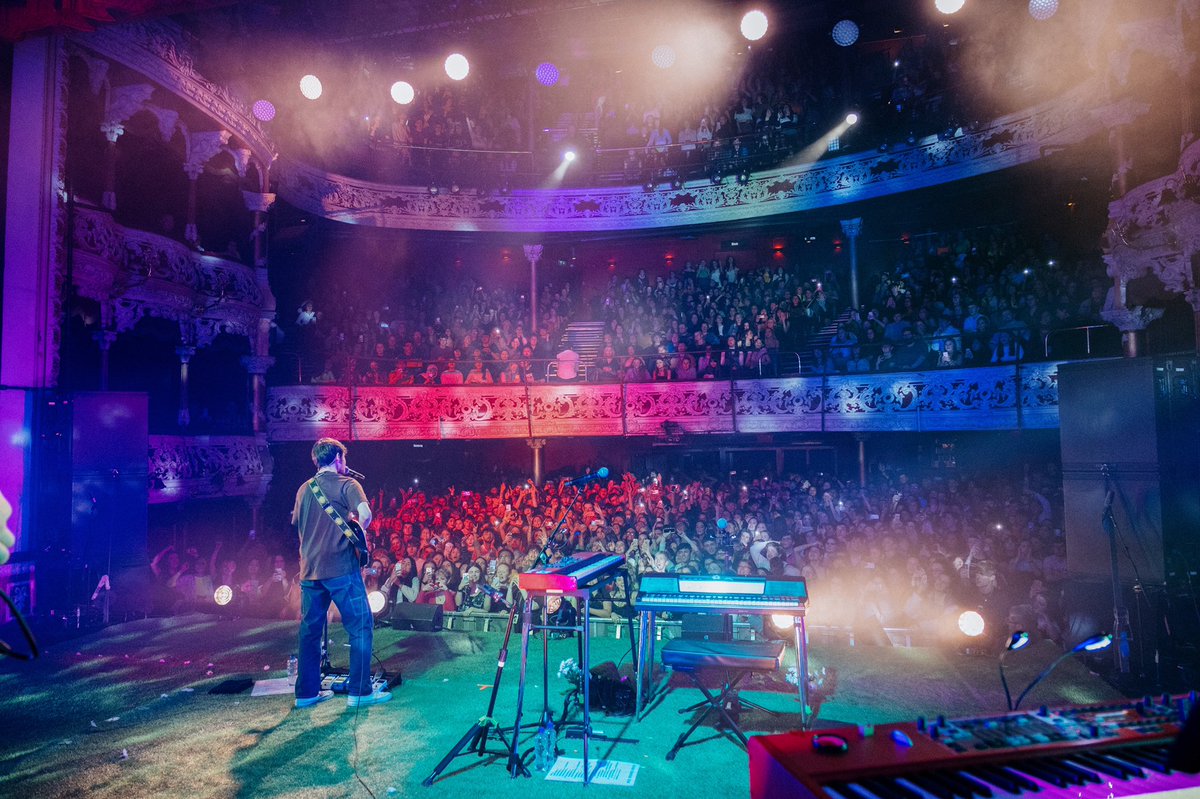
{"x":327,"y":506}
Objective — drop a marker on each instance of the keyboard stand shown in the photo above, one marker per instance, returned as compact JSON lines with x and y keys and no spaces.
{"x":647,"y":633}
{"x":583,"y":629}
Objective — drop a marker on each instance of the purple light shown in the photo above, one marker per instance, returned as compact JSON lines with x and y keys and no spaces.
{"x":264,"y":110}
{"x":546,"y":74}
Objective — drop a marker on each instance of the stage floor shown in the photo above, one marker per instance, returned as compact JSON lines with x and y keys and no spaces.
{"x":126,"y":712}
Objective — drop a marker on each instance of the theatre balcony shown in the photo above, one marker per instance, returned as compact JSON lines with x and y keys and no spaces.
{"x":1009,"y":397}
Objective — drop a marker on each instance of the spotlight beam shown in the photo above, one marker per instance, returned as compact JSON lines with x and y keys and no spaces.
{"x":813,"y":152}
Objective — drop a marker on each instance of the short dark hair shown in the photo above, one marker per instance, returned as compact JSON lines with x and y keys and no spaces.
{"x":326,"y":450}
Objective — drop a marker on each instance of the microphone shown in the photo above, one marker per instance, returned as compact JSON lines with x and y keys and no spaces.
{"x":494,"y":593}
{"x":599,"y":474}
{"x":356,"y":475}
{"x":1108,"y":500}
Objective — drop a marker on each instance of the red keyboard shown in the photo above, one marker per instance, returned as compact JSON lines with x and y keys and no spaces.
{"x":572,"y":573}
{"x":1088,"y":752}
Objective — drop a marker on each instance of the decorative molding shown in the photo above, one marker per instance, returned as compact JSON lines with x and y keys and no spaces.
{"x":157,"y":50}
{"x":140,"y":274}
{"x":1011,"y":140}
{"x":1129,"y":320}
{"x":989,"y":398}
{"x":122,"y":103}
{"x":57,"y":268}
{"x":258,"y":202}
{"x":201,"y":147}
{"x":203,"y":467}
{"x":1155,"y":228}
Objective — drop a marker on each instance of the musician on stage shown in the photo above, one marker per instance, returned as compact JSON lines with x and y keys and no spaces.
{"x":329,"y":572}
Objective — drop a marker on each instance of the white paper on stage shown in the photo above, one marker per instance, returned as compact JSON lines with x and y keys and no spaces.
{"x":604,"y":772}
{"x":275,"y":687}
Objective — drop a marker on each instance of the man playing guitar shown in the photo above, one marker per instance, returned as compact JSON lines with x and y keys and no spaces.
{"x":330,"y":571}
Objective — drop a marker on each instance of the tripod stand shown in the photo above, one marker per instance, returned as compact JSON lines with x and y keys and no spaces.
{"x":482,"y":730}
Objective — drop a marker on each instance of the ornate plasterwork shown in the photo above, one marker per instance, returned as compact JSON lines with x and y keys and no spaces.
{"x":990,"y":398}
{"x":135,"y":274}
{"x":201,"y":147}
{"x":57,"y":268}
{"x":1011,"y":140}
{"x":1155,"y":229}
{"x":157,"y":50}
{"x":201,"y":467}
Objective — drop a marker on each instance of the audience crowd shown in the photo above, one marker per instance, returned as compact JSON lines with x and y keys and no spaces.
{"x":969,"y":298}
{"x":903,"y":551}
{"x":776,"y":102}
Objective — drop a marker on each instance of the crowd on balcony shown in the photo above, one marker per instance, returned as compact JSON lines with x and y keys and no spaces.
{"x":903,"y":551}
{"x":429,"y":335}
{"x":976,"y":298}
{"x":780,"y":101}
{"x":988,"y":296}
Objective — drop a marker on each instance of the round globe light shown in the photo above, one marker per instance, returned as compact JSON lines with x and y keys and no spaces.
{"x":754,"y":25}
{"x":1042,"y":9}
{"x":845,"y":33}
{"x":949,"y":6}
{"x":403,"y":92}
{"x":546,"y":74}
{"x":264,"y":110}
{"x":663,"y":56}
{"x":310,"y":87}
{"x":457,"y":66}
{"x":970,"y":624}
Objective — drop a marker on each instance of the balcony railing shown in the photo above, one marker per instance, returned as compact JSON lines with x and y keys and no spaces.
{"x":1008,"y":397}
{"x":204,"y":467}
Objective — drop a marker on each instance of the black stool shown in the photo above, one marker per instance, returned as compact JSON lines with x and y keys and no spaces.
{"x":736,"y":659}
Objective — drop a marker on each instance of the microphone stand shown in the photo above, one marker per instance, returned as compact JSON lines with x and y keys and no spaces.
{"x":552,"y":541}
{"x":481,"y":731}
{"x":1120,"y":614}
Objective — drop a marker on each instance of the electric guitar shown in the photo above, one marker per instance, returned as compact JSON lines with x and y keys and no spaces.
{"x":358,"y":541}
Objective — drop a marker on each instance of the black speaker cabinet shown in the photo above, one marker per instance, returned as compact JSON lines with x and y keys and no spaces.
{"x":1130,"y":430}
{"x":707,"y":626}
{"x":411,"y":616}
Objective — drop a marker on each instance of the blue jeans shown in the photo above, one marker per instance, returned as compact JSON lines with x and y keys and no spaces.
{"x":350,"y":596}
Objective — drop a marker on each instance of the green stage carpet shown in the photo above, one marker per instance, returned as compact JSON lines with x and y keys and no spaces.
{"x":126,"y":712}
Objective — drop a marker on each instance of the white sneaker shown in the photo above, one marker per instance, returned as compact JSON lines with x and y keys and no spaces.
{"x":377,"y":698}
{"x":309,"y":701}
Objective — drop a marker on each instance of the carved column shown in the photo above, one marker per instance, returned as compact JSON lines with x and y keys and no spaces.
{"x":1117,"y":117}
{"x":861,"y":440}
{"x":201,"y":147}
{"x":255,"y":501}
{"x":185,"y":353}
{"x":537,"y":445}
{"x":105,"y":339}
{"x":257,"y":366}
{"x":112,"y":131}
{"x":1132,"y":323}
{"x":121,"y":103}
{"x":258,"y":363}
{"x":1193,"y":298}
{"x":852,"y":228}
{"x":533,"y":252}
{"x":258,"y":203}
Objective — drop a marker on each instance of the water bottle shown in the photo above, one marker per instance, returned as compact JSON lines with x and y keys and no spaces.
{"x":539,"y":750}
{"x":551,"y":751}
{"x":545,"y":747}
{"x":293,"y":669}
